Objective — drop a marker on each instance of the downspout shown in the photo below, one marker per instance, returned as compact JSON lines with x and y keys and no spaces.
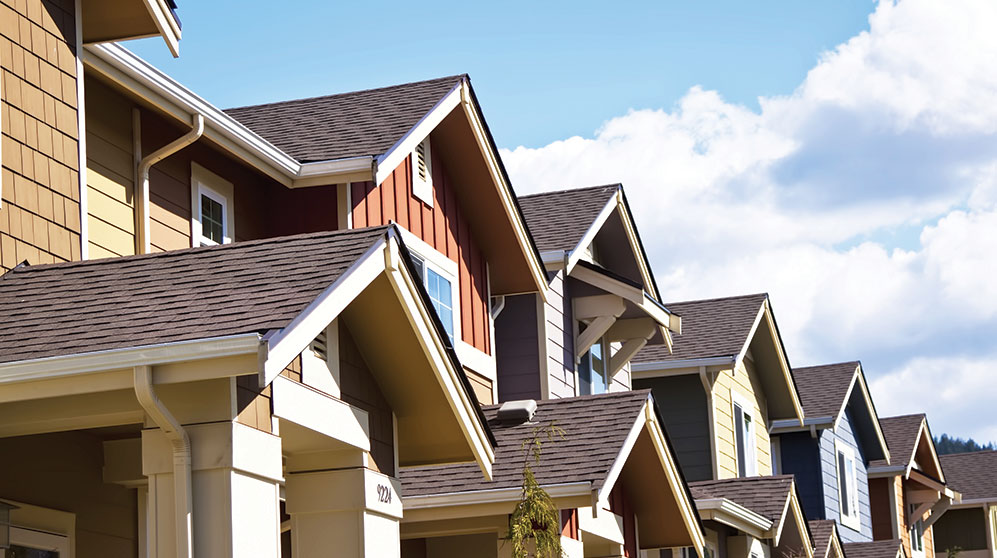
{"x":143,"y":244}
{"x":180,"y":442}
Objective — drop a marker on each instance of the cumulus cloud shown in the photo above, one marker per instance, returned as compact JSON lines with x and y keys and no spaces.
{"x":865,"y":201}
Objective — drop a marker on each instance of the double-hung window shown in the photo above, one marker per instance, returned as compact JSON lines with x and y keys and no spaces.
{"x":744,"y":438}
{"x":211,"y":208}
{"x":593,"y":370}
{"x":439,"y":286}
{"x":848,"y":490}
{"x":916,"y":534}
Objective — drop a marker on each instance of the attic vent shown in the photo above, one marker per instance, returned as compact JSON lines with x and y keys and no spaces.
{"x":517,"y":411}
{"x":422,"y":172}
{"x":319,"y":347}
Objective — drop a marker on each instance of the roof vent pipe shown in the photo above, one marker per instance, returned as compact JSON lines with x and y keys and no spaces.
{"x":517,"y":411}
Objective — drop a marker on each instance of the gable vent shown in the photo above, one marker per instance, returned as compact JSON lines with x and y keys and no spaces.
{"x":319,"y":347}
{"x":422,"y":172}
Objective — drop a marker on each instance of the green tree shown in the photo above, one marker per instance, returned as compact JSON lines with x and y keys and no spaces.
{"x":536,"y":518}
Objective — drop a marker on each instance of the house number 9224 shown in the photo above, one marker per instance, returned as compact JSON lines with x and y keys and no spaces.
{"x":384,"y":494}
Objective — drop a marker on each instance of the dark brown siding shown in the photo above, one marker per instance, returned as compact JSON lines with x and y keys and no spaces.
{"x":442,"y":226}
{"x":569,"y":523}
{"x":40,"y":213}
{"x":879,"y":504}
{"x":361,"y":390}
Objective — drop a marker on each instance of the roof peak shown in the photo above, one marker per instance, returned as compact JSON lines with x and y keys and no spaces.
{"x":571,"y":190}
{"x":829,"y":365}
{"x":719,"y":299}
{"x":455,"y":77}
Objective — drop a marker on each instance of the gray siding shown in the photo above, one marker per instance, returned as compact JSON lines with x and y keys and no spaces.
{"x":801,"y":458}
{"x":682,"y":403}
{"x":560,"y":340}
{"x":845,"y":435}
{"x":517,"y":349}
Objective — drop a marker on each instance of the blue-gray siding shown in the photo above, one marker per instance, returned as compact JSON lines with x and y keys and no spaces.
{"x":800,"y":457}
{"x":844,"y":434}
{"x":682,"y":403}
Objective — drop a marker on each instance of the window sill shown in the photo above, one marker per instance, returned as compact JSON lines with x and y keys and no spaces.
{"x":476,"y":360}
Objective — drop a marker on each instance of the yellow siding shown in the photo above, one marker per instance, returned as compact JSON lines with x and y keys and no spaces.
{"x":740,"y":384}
{"x":110,"y":176}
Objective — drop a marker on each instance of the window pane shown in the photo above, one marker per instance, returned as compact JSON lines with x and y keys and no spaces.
{"x":845,"y":499}
{"x":439,"y":291}
{"x":212,"y":220}
{"x":585,"y":374}
{"x":739,"y":439}
{"x":599,"y":384}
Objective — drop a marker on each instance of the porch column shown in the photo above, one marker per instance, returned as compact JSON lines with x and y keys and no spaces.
{"x":351,"y":513}
{"x":236,"y":474}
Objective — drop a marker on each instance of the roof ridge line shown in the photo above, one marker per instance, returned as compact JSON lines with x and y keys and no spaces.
{"x":570,"y":190}
{"x":344,"y":93}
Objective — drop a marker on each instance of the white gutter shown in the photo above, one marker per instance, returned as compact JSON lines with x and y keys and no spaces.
{"x":491,"y":496}
{"x":180,"y":442}
{"x":142,"y":175}
{"x":740,"y":515}
{"x":684,"y":363}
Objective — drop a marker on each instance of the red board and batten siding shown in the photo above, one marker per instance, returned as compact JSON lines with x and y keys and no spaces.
{"x":442,"y":226}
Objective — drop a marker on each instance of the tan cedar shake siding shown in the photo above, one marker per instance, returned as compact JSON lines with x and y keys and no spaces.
{"x":40,"y":213}
{"x":442,"y":226}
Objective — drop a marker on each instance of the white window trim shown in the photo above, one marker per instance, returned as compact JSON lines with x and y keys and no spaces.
{"x":34,"y":526}
{"x":751,"y":466}
{"x":915,"y":553}
{"x":205,"y":182}
{"x":853,"y":521}
{"x":442,"y":265}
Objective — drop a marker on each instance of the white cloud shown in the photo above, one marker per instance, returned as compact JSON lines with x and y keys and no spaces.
{"x":865,"y":202}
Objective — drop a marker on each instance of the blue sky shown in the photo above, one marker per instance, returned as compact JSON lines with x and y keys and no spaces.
{"x":542,"y":70}
{"x":839,"y":155}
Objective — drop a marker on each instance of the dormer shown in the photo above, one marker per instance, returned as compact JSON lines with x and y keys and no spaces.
{"x":602,"y":306}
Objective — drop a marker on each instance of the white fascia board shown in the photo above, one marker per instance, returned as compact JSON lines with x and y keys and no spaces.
{"x":610,"y":285}
{"x":389,"y":161}
{"x":975,"y":503}
{"x":730,"y":513}
{"x":878,"y":471}
{"x":848,"y":395}
{"x":283,"y":346}
{"x":168,"y":27}
{"x":764,"y":313}
{"x":631,"y":229}
{"x":321,"y":413}
{"x":407,"y":289}
{"x":498,"y":495}
{"x":148,"y":82}
{"x":120,"y":359}
{"x":872,"y":411}
{"x":576,"y":253}
{"x":652,"y":369}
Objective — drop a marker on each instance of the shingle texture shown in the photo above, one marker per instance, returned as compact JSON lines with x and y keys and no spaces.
{"x":973,"y":474}
{"x":199,"y":293}
{"x":823,"y":388}
{"x":877,"y":549}
{"x":710,"y":328}
{"x":765,"y":496}
{"x":559,"y":220}
{"x":901,"y":438}
{"x":822,"y":531}
{"x":595,"y":429}
{"x":354,"y":124}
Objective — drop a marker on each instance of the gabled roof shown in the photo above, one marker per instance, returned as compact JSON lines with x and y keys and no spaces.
{"x":826,"y":541}
{"x":766,"y":496}
{"x":974,"y":474}
{"x":721,"y":331}
{"x":909,"y":440}
{"x":891,"y":548}
{"x":595,"y":429}
{"x":113,"y":303}
{"x":559,"y":220}
{"x":717,"y":327}
{"x":827,"y":390}
{"x":347,"y":125}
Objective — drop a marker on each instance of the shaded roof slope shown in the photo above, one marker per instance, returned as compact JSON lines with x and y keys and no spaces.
{"x":901,"y":437}
{"x":822,"y":531}
{"x":595,"y":429}
{"x":356,"y":124}
{"x":973,"y":474}
{"x":198,"y":293}
{"x":559,"y":220}
{"x":877,"y":549}
{"x":710,"y":328}
{"x":823,"y":388}
{"x":765,"y":496}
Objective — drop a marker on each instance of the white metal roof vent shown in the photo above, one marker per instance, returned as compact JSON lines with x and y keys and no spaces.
{"x":517,"y":411}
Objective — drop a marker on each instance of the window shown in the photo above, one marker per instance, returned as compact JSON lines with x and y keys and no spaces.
{"x":848,"y":490}
{"x":439,"y":286}
{"x":744,"y":434}
{"x":422,"y":172}
{"x":211,"y":208}
{"x":916,"y":534}
{"x":593,"y":376}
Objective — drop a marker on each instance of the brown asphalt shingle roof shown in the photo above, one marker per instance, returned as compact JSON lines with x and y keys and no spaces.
{"x":765,"y":496}
{"x":198,"y":293}
{"x":823,"y":388}
{"x":973,"y":474}
{"x":356,"y":124}
{"x":901,"y":437}
{"x":877,"y":549}
{"x":595,"y":428}
{"x":710,"y":328}
{"x":559,"y":220}
{"x":822,"y":531}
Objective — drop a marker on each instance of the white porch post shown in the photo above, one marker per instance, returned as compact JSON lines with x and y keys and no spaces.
{"x":236,"y":491}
